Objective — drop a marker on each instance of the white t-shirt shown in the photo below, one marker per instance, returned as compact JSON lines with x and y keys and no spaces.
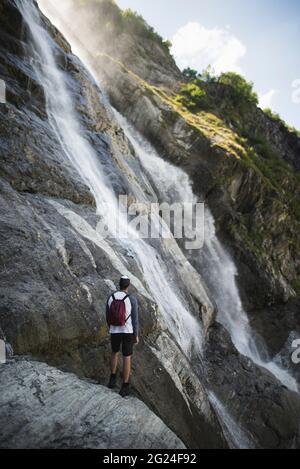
{"x":127,"y":329}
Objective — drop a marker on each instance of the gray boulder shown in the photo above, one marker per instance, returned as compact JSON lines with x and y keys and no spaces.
{"x":41,"y":407}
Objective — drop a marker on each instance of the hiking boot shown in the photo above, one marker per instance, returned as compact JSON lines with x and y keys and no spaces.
{"x":112,"y":382}
{"x":125,"y":390}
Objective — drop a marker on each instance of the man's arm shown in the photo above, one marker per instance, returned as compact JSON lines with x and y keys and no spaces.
{"x":107,"y":309}
{"x":134,"y":315}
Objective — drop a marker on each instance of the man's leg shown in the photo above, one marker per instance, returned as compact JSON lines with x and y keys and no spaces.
{"x":126,"y":369}
{"x":115,"y":346}
{"x":127,"y":349}
{"x":114,"y":362}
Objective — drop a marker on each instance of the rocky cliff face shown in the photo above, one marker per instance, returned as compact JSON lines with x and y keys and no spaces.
{"x":57,"y":272}
{"x":246,"y":169}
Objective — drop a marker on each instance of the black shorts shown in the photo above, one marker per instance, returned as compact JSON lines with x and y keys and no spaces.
{"x":126,"y":340}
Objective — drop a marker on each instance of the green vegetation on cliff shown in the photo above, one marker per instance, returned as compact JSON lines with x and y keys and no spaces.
{"x":192,"y":96}
{"x":241,"y":91}
{"x":237,"y":95}
{"x":224,"y":125}
{"x":236,"y":92}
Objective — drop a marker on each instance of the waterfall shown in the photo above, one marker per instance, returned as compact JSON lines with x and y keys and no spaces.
{"x":236,"y":437}
{"x":157,"y":273}
{"x":217,"y":267}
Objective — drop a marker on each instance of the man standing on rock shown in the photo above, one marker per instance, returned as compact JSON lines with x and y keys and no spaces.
{"x":123,"y":322}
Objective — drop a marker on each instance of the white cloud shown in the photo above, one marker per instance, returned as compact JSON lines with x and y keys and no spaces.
{"x":197,"y":47}
{"x":265,"y":100}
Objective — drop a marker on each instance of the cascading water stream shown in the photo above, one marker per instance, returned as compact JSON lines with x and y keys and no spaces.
{"x":216,"y":265}
{"x":236,"y":437}
{"x":63,"y":118}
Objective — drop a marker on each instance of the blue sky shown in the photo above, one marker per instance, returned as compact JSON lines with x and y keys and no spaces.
{"x":259,"y":39}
